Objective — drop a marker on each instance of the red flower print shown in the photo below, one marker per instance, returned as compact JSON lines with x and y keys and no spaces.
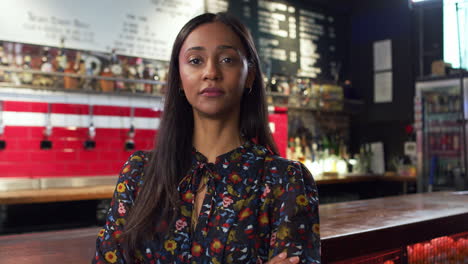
{"x":188,"y":196}
{"x":263,"y":219}
{"x":245,"y":213}
{"x":196,"y":249}
{"x":235,"y":178}
{"x":126,"y":169}
{"x":117,"y":234}
{"x":180,"y":224}
{"x":216,"y":246}
{"x":227,"y":201}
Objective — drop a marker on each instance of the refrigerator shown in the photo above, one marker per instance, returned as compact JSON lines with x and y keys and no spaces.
{"x":439,"y":114}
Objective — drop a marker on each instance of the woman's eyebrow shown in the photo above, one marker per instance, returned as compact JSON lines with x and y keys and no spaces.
{"x":196,"y":48}
{"x":220,"y":47}
{"x":224,"y":47}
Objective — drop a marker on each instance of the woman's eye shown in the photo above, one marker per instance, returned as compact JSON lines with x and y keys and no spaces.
{"x":195,"y":61}
{"x":226,"y":60}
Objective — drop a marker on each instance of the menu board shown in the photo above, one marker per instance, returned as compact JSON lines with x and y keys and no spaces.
{"x":277,"y":36}
{"x":293,"y":38}
{"x":216,"y":6}
{"x":140,"y":28}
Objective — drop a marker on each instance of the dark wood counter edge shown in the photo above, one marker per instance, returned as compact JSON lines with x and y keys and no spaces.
{"x":362,"y":178}
{"x":96,"y":192}
{"x":359,"y":244}
{"x":57,"y":194}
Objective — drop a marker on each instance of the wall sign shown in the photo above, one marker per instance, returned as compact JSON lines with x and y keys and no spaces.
{"x":143,"y":28}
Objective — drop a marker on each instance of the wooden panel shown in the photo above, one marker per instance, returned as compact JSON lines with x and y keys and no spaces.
{"x":366,"y":226}
{"x":70,"y":246}
{"x":57,"y":195}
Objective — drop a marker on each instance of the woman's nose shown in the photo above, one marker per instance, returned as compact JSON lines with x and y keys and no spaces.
{"x":212,"y":71}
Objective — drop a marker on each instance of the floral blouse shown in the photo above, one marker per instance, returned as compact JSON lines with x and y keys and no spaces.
{"x":256,"y":206}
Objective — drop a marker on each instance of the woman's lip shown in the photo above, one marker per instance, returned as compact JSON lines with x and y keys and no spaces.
{"x":212,"y":92}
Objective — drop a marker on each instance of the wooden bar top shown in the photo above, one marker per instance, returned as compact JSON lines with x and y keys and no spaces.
{"x":348,"y":229}
{"x":96,"y":192}
{"x":57,"y":194}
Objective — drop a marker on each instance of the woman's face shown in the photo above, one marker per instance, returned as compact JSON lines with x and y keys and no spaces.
{"x":213,"y":70}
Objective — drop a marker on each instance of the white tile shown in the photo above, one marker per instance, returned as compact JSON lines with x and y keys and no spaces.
{"x":57,"y":120}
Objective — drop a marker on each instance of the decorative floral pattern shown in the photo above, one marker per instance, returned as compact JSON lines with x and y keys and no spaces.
{"x":256,"y":206}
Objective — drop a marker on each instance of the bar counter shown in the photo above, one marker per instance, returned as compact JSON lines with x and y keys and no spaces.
{"x":348,"y":230}
{"x":47,"y":190}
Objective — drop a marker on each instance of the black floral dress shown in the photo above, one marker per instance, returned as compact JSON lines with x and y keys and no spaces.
{"x":256,"y":206}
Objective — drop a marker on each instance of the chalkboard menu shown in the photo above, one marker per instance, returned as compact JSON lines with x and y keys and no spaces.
{"x":293,"y":38}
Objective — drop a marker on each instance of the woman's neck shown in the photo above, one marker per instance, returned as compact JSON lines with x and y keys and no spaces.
{"x":214,"y":137}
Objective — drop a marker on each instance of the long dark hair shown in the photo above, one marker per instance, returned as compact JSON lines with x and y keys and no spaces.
{"x":154,"y":207}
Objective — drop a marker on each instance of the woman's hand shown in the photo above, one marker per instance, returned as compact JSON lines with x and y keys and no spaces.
{"x":281,"y":259}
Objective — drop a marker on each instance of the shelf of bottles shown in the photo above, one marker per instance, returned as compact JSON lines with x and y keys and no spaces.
{"x":303,"y":93}
{"x":319,"y":119}
{"x":58,"y":68}
{"x":443,"y":133}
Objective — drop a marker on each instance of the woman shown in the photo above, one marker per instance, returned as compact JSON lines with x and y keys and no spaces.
{"x":214,"y":189}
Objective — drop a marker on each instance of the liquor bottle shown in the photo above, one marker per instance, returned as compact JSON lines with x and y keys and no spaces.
{"x":106,"y":85}
{"x":3,"y":57}
{"x":68,"y":81}
{"x":61,"y":59}
{"x":147,"y":74}
{"x":27,"y":77}
{"x":46,"y":65}
{"x":139,"y":67}
{"x":117,"y":70}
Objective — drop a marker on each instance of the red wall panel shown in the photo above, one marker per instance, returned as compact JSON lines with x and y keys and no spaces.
{"x":24,"y":158}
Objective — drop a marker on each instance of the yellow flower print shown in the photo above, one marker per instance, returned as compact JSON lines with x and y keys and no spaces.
{"x":259,"y":152}
{"x":196,"y":249}
{"x":245,"y":213}
{"x":302,"y":200}
{"x":170,"y":245}
{"x":117,"y":234}
{"x":215,"y":261}
{"x":239,"y":204}
{"x":120,"y":221}
{"x":316,"y":229}
{"x":283,"y":232}
{"x":231,"y":191}
{"x":185,"y":212}
{"x":235,"y":178}
{"x":236,"y":155}
{"x":110,"y":257}
{"x":101,"y":232}
{"x":137,"y":158}
{"x":138,"y":255}
{"x":216,"y":246}
{"x":278,"y":191}
{"x":188,"y":196}
{"x":232,"y":236}
{"x":229,"y":259}
{"x":263,"y":219}
{"x":126,"y":169}
{"x":121,"y":187}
